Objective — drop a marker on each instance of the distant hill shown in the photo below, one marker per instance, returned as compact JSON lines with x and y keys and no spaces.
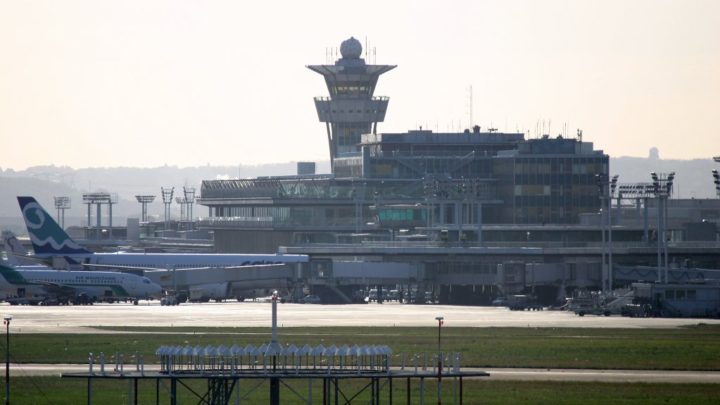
{"x":45,"y":182}
{"x":693,"y":180}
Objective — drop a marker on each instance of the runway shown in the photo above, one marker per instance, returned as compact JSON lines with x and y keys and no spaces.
{"x":505,"y":374}
{"x":83,"y":319}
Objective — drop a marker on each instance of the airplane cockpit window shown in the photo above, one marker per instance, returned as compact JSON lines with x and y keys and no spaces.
{"x":146,"y":281}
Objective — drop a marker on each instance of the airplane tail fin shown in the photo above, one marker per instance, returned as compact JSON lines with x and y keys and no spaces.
{"x":46,"y":235}
{"x":11,"y":275}
{"x":15,"y":250}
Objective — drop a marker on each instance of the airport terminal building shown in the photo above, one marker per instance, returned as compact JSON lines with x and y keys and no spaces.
{"x":470,"y":215}
{"x":420,"y":182}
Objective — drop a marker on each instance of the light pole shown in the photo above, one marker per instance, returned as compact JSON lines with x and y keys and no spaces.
{"x":613,"y":186}
{"x":275,"y":349}
{"x":606,"y":189}
{"x":440,"y":323}
{"x":6,"y":321}
{"x":662,"y":188}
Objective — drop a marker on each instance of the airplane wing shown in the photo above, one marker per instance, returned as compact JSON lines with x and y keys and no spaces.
{"x":140,"y":268}
{"x":25,"y":260}
{"x":247,"y":266}
{"x":125,"y":269}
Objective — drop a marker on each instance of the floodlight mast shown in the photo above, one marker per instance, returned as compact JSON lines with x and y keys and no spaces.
{"x":144,"y":200}
{"x":167,"y":195}
{"x":98,"y":199}
{"x":61,"y":204}
{"x":606,"y":189}
{"x":182,"y":203}
{"x":662,"y":188}
{"x":189,"y":193}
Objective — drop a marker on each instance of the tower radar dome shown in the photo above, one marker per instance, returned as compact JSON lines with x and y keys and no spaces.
{"x":351,"y":48}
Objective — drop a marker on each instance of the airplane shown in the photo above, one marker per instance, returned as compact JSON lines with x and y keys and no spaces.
{"x":51,"y":242}
{"x":17,"y":255}
{"x":81,"y":287}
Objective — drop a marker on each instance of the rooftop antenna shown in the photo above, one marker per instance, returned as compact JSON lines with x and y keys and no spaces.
{"x":374,"y":56}
{"x":470,"y":106}
{"x":579,"y":134}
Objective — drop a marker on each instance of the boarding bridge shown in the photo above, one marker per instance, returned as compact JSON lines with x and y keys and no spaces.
{"x":230,"y":279}
{"x":371,"y":273}
{"x":676,"y":274}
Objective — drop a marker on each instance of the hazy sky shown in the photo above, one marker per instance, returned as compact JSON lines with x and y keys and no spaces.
{"x":145,"y":83}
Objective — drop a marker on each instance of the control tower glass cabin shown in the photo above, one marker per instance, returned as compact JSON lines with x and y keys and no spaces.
{"x":351,"y":110}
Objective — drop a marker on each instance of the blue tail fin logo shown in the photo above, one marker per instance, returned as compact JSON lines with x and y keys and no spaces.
{"x":46,"y":235}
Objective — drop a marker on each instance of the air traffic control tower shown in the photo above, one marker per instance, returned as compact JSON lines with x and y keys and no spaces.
{"x":351,"y":110}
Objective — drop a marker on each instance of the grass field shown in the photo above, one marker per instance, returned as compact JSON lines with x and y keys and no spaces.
{"x":56,"y":391}
{"x":691,"y":348}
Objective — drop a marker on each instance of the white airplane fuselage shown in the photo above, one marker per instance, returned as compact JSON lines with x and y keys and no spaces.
{"x":97,"y":285}
{"x":182,"y":260}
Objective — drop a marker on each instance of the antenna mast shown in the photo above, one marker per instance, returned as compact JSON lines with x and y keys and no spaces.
{"x":470,"y":106}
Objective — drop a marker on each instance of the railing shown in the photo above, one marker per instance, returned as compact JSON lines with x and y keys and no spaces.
{"x":528,"y":245}
{"x":374,"y":98}
{"x":236,"y":222}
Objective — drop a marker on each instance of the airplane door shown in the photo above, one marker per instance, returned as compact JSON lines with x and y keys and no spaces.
{"x":20,"y":292}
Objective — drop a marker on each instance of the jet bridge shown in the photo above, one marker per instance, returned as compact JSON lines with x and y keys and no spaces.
{"x":229,"y":279}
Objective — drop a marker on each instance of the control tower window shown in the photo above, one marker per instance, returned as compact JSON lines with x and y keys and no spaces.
{"x":350,"y":90}
{"x":348,"y":135}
